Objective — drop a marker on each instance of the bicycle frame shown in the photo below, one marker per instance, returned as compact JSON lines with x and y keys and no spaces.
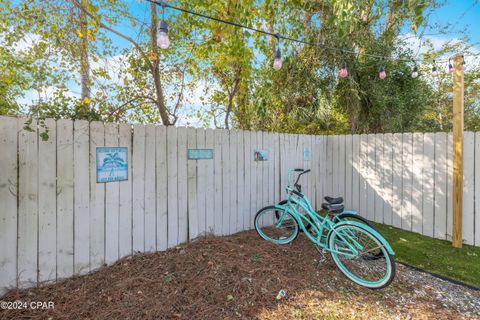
{"x":318,"y":223}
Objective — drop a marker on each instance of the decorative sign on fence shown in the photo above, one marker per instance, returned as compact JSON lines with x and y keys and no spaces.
{"x":260,"y":155}
{"x":200,"y":154}
{"x":112,"y":164}
{"x":306,"y":154}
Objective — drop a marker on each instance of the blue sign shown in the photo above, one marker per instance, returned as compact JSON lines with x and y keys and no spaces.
{"x":199,"y":154}
{"x":306,"y":154}
{"x":112,"y":164}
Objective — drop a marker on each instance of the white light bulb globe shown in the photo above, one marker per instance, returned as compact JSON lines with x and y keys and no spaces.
{"x":414,"y":74}
{"x":277,"y":63}
{"x":163,"y":42}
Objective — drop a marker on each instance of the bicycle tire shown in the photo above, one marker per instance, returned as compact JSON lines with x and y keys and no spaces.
{"x":349,"y":274}
{"x":264,"y":236}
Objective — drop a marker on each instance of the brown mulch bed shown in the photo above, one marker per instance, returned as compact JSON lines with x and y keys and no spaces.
{"x":239,"y":277}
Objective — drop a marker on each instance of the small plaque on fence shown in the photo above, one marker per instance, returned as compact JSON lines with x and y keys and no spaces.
{"x":112,"y":164}
{"x":200,"y":154}
{"x":260,"y":155}
{"x":306,"y":154}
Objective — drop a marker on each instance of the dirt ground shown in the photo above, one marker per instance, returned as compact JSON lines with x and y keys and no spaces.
{"x":239,"y":277}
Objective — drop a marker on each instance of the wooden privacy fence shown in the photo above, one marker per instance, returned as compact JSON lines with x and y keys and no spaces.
{"x":405,"y":180}
{"x":57,"y":221}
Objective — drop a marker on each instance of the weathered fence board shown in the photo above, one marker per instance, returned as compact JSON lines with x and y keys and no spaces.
{"x":138,"y":188}
{"x":440,"y":194}
{"x":192,"y":186}
{"x":477,"y":189}
{"x":65,"y":194}
{"x":218,"y":182}
{"x":28,"y":205}
{"x":387,"y":180}
{"x":417,"y":180}
{"x":182,"y":186}
{"x":125,"y":195}
{"x":468,"y":220}
{"x":397,"y":180}
{"x":162,"y":188}
{"x":407,"y":158}
{"x":172,"y":185}
{"x":209,"y":188}
{"x":201,"y":184}
{"x":8,"y":199}
{"x":97,"y":199}
{"x":47,"y":224}
{"x":112,"y":202}
{"x":428,"y":177}
{"x":81,"y":172}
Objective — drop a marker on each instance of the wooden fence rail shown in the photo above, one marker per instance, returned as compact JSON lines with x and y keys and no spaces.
{"x":57,"y":221}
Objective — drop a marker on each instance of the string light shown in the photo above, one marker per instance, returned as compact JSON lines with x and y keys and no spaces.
{"x":277,"y":62}
{"x":343,"y":72}
{"x":415,"y":72}
{"x":434,"y":69}
{"x":450,"y":66}
{"x":163,"y":41}
{"x":382,"y":74}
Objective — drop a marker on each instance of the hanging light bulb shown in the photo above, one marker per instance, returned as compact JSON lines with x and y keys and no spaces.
{"x":463,"y":62}
{"x":277,"y":62}
{"x":415,"y":72}
{"x":434,"y":69}
{"x":343,"y":72}
{"x":163,"y":41}
{"x":382,"y":74}
{"x":450,"y":66}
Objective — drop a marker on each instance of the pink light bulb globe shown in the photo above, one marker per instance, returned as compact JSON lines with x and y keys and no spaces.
{"x":343,"y":72}
{"x":382,"y":74}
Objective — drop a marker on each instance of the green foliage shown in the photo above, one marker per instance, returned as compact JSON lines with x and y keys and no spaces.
{"x":41,"y":40}
{"x":433,"y":255}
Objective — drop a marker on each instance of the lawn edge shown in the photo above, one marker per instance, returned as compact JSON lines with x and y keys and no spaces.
{"x":439,"y":276}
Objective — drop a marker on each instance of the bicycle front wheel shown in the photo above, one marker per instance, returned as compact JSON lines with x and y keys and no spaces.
{"x":277,"y":226}
{"x":369,"y":265}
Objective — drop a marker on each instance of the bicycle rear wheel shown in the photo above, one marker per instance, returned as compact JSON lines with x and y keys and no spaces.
{"x":276,"y":225}
{"x":367,"y":267}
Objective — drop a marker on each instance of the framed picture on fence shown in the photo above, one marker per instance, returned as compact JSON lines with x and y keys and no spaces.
{"x":260,"y":155}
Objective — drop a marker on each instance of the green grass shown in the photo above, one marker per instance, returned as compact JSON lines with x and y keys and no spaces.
{"x":433,"y":255}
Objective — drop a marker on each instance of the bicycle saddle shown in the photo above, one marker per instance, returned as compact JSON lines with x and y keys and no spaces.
{"x":333,"y":208}
{"x":334,"y":200}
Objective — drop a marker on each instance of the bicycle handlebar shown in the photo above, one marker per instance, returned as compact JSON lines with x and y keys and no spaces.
{"x":302,"y":171}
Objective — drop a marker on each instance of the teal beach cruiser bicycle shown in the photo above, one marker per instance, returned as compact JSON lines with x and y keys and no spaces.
{"x":360,"y":252}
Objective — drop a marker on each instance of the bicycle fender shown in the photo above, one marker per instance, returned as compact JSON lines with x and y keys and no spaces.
{"x":349,"y":211}
{"x":367,"y":228}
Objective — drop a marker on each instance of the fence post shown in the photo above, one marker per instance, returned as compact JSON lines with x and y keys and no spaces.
{"x":457,"y":150}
